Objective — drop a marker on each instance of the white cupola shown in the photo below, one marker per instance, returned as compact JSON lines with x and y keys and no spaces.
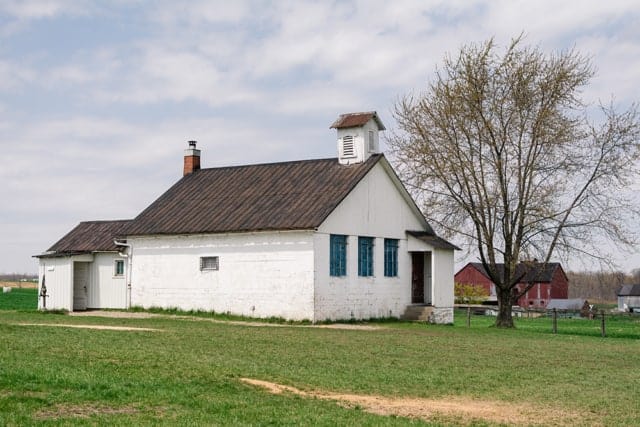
{"x":357,"y":136}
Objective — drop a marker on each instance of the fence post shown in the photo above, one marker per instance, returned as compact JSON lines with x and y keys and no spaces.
{"x":468,"y":317}
{"x":555,"y":321}
{"x":603,"y":328}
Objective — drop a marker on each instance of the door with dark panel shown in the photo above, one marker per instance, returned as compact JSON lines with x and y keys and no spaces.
{"x":417,"y":278}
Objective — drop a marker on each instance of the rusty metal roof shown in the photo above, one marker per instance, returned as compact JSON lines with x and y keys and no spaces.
{"x":277,"y":196}
{"x":350,"y":120}
{"x":89,"y":236}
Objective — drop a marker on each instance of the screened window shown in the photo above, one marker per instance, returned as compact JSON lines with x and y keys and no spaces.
{"x":372,"y":144}
{"x":338,"y":255}
{"x":390,"y":257}
{"x":209,"y":263}
{"x":365,"y":256}
{"x":118,"y":268}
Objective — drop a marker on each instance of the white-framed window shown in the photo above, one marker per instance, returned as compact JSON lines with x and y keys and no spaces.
{"x":118,"y":267}
{"x":209,"y":263}
{"x":337,"y":255}
{"x":365,"y":256}
{"x":391,"y":257}
{"x":372,"y":143}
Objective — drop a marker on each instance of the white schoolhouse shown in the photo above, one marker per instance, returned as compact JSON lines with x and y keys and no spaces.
{"x":337,"y":238}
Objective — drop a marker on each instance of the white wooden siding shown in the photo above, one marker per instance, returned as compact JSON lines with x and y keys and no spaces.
{"x":59,"y":282}
{"x":360,"y":134}
{"x":443,"y":271}
{"x":105,"y":289}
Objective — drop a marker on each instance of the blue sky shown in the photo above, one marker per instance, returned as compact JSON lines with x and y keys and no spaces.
{"x":98,"y":99}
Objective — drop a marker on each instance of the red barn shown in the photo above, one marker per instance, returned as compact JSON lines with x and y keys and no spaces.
{"x":550,"y":282}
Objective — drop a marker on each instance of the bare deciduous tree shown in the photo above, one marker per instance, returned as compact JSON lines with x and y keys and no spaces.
{"x":597,"y":286}
{"x":500,"y":151}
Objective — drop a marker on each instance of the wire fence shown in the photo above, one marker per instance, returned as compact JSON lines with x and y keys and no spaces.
{"x":592,"y":323}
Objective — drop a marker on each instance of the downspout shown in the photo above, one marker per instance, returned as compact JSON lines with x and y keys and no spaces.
{"x":129,"y":257}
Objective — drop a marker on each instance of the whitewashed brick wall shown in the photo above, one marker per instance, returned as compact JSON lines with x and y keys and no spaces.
{"x":260,"y":274}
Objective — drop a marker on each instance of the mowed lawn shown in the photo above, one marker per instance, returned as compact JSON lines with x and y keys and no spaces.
{"x":19,"y":299}
{"x":188,"y":371}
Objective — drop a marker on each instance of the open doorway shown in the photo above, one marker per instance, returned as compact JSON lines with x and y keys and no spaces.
{"x":421,"y":278}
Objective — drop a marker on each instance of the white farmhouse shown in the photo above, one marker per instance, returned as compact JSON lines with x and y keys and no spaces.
{"x":313,"y":239}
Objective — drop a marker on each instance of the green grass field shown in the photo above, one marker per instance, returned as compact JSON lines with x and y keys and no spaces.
{"x":19,"y":299}
{"x":188,"y":372}
{"x":620,"y":325}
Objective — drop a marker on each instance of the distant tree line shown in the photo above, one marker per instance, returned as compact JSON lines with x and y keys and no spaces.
{"x":599,"y":286}
{"x":16,"y":277}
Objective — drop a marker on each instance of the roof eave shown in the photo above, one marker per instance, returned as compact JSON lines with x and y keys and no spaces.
{"x":247,"y":231}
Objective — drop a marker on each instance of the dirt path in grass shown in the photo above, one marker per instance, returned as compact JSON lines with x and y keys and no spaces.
{"x":115,"y":314}
{"x":144,"y":315}
{"x":103,"y":327}
{"x":463,"y":410}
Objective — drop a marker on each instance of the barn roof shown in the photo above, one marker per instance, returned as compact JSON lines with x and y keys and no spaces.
{"x":533,"y":272}
{"x":629,"y":291}
{"x":89,"y":236}
{"x":276,"y":196}
{"x":356,"y":119}
{"x":566,"y":304}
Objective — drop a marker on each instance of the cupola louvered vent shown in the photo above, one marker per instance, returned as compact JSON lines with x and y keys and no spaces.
{"x":347,"y":146}
{"x":357,"y":136}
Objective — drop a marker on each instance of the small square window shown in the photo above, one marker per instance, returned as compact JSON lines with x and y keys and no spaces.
{"x":118,"y":269}
{"x":209,"y":263}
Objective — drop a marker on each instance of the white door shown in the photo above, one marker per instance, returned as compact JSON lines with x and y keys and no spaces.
{"x":80,"y":282}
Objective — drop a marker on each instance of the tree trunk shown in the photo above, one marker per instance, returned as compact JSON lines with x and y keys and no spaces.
{"x":504,"y":319}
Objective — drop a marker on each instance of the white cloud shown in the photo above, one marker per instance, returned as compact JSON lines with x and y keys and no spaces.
{"x":37,"y":9}
{"x":156,"y":73}
{"x":617,"y":63}
{"x":14,"y":76}
{"x":92,"y":134}
{"x":172,"y":14}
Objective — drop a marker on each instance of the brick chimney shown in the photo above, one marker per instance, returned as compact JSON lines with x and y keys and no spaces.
{"x":191,"y":159}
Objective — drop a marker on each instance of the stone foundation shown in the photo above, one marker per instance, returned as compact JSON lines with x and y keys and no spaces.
{"x":441,"y":315}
